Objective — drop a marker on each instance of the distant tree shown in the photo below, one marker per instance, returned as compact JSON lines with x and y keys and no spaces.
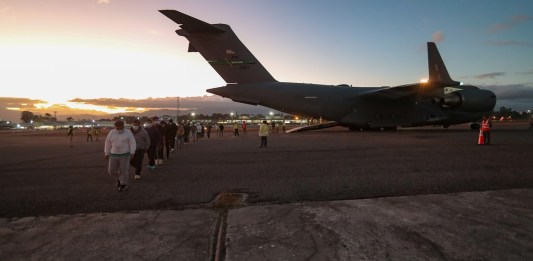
{"x":201,"y":117}
{"x":182,"y":118}
{"x":48,"y":115}
{"x":38,"y":118}
{"x":217,"y":116}
{"x":504,"y":111}
{"x":26,"y":116}
{"x":69,"y":118}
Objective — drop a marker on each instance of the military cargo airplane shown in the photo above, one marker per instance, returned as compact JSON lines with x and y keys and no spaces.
{"x":439,"y":101}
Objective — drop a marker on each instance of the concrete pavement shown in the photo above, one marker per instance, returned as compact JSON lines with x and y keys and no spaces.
{"x":58,"y":202}
{"x":490,"y":225}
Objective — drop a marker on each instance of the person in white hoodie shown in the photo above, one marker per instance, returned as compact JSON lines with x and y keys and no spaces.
{"x":119,"y":148}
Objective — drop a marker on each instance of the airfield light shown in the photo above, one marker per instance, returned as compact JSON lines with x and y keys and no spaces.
{"x":31,"y":121}
{"x":8,"y":122}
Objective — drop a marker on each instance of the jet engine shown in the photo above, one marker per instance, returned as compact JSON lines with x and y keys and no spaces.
{"x":470,"y":100}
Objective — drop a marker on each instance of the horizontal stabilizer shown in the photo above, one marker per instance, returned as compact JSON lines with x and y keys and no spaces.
{"x":221,"y":48}
{"x":189,"y":23}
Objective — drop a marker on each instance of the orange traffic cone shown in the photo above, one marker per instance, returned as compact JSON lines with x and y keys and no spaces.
{"x":481,"y":139}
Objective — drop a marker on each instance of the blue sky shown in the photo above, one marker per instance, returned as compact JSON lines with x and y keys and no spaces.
{"x":115,"y":49}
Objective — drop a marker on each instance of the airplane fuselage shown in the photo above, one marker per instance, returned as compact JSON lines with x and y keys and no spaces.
{"x":344,"y":104}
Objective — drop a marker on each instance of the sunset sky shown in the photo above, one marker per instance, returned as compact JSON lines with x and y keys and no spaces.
{"x":107,"y":56}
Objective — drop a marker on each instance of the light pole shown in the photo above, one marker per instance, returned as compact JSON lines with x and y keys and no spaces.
{"x":177,"y":109}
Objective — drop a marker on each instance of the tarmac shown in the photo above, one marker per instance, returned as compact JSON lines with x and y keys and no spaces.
{"x":483,"y":224}
{"x":492,"y":225}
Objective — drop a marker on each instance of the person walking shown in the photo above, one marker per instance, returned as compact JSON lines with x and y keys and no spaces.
{"x":486,"y":124}
{"x":70,"y":135}
{"x":208,"y":129}
{"x":89,"y":134}
{"x":119,"y":148}
{"x":187,"y":128}
{"x":235,"y":129}
{"x":180,"y":135}
{"x":194,"y":129}
{"x":155,"y":138}
{"x":96,"y":133}
{"x":221,"y":128}
{"x":160,"y":125}
{"x":202,"y":130}
{"x":263,"y":133}
{"x":244,"y":127}
{"x":170,"y":138}
{"x":173,"y":130}
{"x":142,"y":140}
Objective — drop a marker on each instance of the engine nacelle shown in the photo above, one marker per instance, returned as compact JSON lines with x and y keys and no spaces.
{"x":471,"y":100}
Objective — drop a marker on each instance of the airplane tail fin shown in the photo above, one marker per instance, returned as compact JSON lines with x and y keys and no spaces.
{"x":438,"y":74}
{"x":222,"y":49}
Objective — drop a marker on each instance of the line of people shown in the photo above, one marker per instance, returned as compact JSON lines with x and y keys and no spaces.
{"x":157,"y":139}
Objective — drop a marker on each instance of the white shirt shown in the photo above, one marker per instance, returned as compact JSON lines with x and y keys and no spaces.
{"x":120,"y":143}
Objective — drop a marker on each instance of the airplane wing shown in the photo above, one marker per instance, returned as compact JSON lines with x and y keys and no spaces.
{"x":392,"y":93}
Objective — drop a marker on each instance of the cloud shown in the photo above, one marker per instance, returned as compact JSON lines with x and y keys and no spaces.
{"x":525,"y":73}
{"x":104,"y":1}
{"x":10,"y":107}
{"x":519,"y":97}
{"x":19,"y":102}
{"x":201,"y":104}
{"x":510,"y":43}
{"x":148,"y":103}
{"x":489,"y":75}
{"x":515,"y":20}
{"x":512,"y":91}
{"x":437,"y":37}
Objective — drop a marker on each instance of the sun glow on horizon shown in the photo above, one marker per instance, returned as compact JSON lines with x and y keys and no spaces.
{"x":87,"y":107}
{"x":60,"y":69}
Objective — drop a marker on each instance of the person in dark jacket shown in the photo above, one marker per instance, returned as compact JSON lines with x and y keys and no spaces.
{"x":161,"y":146}
{"x":173,"y":131}
{"x":155,"y":139}
{"x":169,"y":132}
{"x":142,"y":139}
